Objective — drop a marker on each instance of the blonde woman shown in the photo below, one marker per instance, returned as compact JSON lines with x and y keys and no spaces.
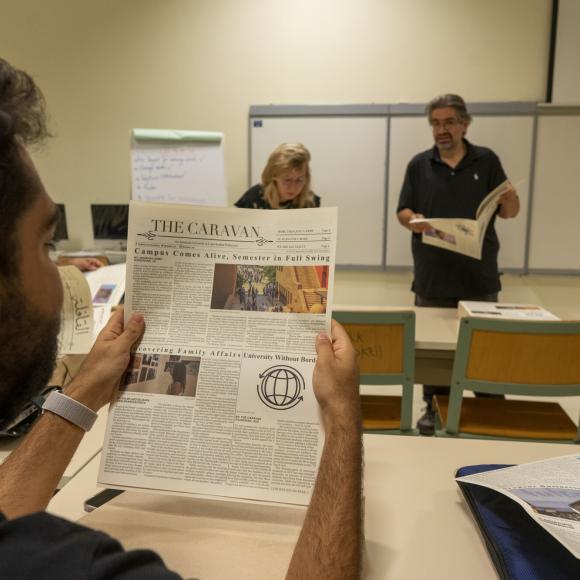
{"x":285,"y":181}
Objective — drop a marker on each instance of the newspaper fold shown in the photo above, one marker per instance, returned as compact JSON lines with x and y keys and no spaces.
{"x":76,"y":326}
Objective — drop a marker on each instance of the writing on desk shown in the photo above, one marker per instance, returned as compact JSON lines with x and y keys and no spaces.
{"x":362,"y":346}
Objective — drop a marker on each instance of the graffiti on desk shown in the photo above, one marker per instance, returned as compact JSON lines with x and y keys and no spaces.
{"x":379,"y":347}
{"x":364,"y":347}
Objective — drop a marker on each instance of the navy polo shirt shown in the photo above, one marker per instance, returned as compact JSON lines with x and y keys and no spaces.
{"x":434,"y":189}
{"x":42,"y":546}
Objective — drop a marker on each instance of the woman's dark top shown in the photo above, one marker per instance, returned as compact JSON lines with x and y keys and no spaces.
{"x":254,"y":199}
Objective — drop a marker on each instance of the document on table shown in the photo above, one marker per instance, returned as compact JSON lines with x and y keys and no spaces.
{"x":76,"y":327}
{"x":548,"y":490}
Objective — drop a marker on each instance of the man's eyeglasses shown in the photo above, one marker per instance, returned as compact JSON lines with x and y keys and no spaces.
{"x":446,"y":124}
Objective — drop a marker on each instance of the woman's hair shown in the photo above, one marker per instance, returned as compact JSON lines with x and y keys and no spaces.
{"x":284,"y":158}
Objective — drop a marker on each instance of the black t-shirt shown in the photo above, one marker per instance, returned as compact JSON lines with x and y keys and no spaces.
{"x":41,"y":546}
{"x":435,"y":190}
{"x":254,"y":199}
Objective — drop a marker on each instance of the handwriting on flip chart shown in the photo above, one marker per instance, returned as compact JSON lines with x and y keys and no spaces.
{"x":187,"y":173}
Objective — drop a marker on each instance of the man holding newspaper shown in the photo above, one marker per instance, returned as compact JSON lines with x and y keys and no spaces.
{"x":35,"y":543}
{"x":451,"y":180}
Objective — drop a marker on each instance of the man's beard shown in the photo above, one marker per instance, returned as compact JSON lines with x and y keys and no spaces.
{"x":28,"y":348}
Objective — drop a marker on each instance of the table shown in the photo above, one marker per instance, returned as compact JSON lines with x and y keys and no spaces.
{"x":69,"y":502}
{"x":435,"y":340}
{"x":416,"y":526}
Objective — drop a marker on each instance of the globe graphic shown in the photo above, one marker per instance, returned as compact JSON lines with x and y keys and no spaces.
{"x":281,"y":387}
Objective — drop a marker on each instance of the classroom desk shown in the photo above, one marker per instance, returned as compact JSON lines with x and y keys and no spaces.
{"x":416,"y":526}
{"x":69,"y":502}
{"x":435,"y":340}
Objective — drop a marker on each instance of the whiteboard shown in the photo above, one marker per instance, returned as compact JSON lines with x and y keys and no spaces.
{"x":348,"y":171}
{"x":511,"y":137}
{"x":555,"y":235}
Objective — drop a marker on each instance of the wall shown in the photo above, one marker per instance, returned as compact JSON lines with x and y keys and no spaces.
{"x":107,"y":66}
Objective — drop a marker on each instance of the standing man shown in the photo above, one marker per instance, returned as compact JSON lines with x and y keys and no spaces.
{"x":449,"y":181}
{"x":36,"y":544}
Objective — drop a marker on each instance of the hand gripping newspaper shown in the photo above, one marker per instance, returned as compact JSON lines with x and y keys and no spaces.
{"x":464,"y":236}
{"x":218,"y":397}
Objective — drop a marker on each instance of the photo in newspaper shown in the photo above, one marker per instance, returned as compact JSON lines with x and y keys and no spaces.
{"x":218,"y":397}
{"x":548,"y":490}
{"x":464,"y":236}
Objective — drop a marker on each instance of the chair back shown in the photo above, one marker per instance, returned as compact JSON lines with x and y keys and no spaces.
{"x":520,"y":357}
{"x":385,"y":344}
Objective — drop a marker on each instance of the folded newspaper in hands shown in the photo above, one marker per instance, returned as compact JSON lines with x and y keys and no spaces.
{"x":218,"y":399}
{"x":464,"y":236}
{"x":548,"y":490}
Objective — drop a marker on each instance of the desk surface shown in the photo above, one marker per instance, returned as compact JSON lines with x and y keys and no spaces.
{"x":414,"y":512}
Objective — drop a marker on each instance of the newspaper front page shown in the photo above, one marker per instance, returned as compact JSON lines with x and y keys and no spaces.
{"x":463,"y":236}
{"x":218,"y":399}
{"x":548,"y":490}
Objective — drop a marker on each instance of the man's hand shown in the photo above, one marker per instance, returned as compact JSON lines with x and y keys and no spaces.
{"x":101,"y":371}
{"x":86,"y":264}
{"x":509,"y":203}
{"x":330,"y":543}
{"x":406,"y":215}
{"x":336,"y":378}
{"x":421,"y":227}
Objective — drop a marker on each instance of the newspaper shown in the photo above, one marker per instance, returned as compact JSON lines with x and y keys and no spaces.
{"x":503,"y":310}
{"x":76,"y":320}
{"x":464,"y":236}
{"x":549,"y":492}
{"x":218,"y":399}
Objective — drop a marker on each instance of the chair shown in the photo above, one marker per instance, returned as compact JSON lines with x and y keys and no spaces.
{"x":385,"y":343}
{"x":518,"y":357}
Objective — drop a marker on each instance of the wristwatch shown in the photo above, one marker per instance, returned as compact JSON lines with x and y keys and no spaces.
{"x":71,"y":410}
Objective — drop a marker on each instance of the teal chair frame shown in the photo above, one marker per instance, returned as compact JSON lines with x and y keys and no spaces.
{"x":460,"y":382}
{"x":406,"y":318}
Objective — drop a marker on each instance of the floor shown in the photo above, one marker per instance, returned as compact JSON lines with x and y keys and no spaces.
{"x":558,"y":294}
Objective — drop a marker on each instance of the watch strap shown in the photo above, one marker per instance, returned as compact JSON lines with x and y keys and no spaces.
{"x":71,"y":410}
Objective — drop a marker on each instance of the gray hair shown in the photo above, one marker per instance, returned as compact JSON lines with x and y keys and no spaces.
{"x":449,"y":100}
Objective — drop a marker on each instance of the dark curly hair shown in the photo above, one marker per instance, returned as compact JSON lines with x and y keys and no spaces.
{"x":22,"y":123}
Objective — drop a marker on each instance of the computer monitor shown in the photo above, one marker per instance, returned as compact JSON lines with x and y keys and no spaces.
{"x":61,"y":231}
{"x":110,"y":224}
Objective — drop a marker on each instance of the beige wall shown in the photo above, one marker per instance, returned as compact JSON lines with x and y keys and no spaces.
{"x":107,"y":66}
